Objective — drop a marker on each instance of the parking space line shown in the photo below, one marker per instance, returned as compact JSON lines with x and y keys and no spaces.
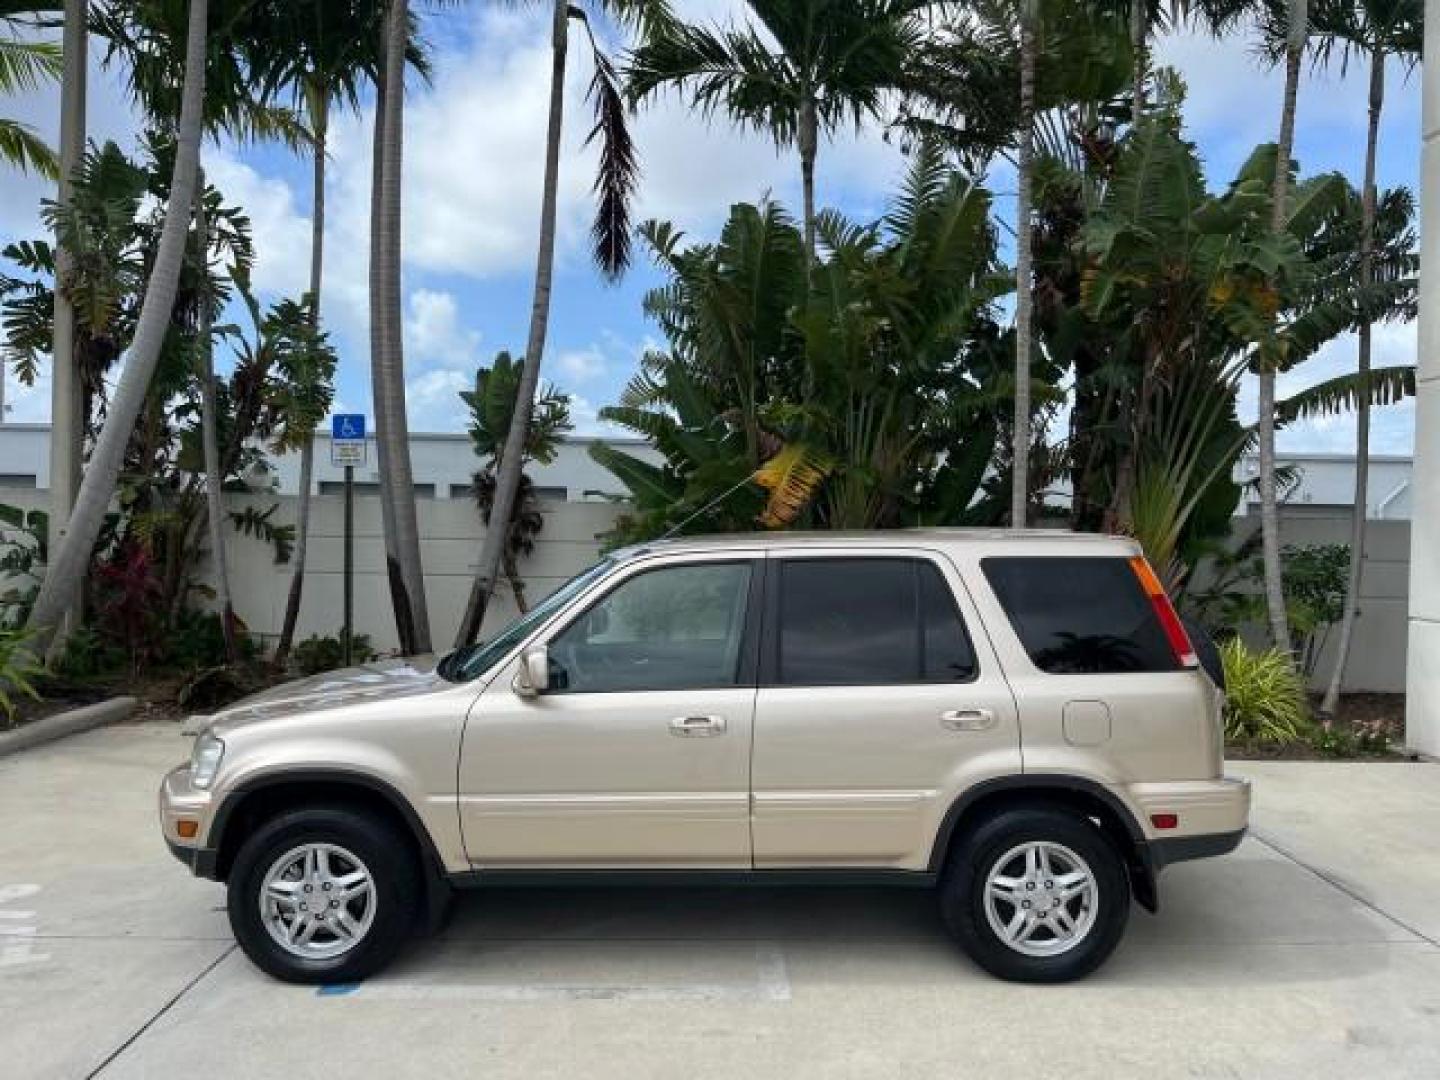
{"x":771,"y":984}
{"x":135,"y":1035}
{"x":1342,"y":887}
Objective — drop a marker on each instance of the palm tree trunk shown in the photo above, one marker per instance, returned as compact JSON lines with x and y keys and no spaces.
{"x":404,"y":623}
{"x":517,"y":583}
{"x":1362,"y":419}
{"x":1141,"y":60}
{"x":1020,"y":478}
{"x":808,"y":140}
{"x":70,"y":562}
{"x":392,"y":427}
{"x":67,"y":422}
{"x":512,"y":457}
{"x":1269,"y":503}
{"x":320,"y":121}
{"x":214,"y":474}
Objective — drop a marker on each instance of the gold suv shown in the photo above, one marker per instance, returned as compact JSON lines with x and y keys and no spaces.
{"x":1018,"y":719}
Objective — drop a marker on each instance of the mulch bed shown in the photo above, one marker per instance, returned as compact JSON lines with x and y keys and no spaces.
{"x":1370,"y":712}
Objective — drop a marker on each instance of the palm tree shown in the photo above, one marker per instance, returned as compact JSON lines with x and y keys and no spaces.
{"x":329,"y":51}
{"x":1024,"y":248}
{"x":1373,"y":30}
{"x":610,"y":236}
{"x":67,"y":423}
{"x":387,"y":358}
{"x":829,"y":63}
{"x":24,"y":65}
{"x":214,"y":473}
{"x":492,"y":409}
{"x":1284,"y":21}
{"x":68,"y":562}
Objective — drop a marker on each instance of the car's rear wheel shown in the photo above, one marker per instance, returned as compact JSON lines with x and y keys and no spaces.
{"x":323,"y":895}
{"x":1036,"y":894}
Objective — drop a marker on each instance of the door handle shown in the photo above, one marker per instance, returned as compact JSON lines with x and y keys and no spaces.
{"x":968,"y":719}
{"x":692,"y":727}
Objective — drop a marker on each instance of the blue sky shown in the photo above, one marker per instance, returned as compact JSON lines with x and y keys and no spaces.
{"x":473,"y":167}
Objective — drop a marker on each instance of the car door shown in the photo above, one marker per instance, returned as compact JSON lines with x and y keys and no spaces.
{"x":880,"y":701}
{"x":638,"y":753}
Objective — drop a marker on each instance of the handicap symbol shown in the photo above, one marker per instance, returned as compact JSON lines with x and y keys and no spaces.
{"x":348,"y":429}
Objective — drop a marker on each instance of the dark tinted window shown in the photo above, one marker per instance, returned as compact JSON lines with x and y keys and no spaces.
{"x":869,"y":622}
{"x":676,"y":628}
{"x":946,"y":654}
{"x":1082,"y":615}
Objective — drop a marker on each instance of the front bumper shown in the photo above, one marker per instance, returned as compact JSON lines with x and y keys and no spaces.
{"x":183,"y":803}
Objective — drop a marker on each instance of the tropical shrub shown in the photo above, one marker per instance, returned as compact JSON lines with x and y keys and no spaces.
{"x":324,"y":653}
{"x":88,"y":654}
{"x":23,"y":539}
{"x":198,"y":641}
{"x":868,"y":391}
{"x":1264,"y":695}
{"x":18,"y":669}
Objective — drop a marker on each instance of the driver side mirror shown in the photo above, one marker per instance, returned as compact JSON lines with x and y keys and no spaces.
{"x":533,"y":678}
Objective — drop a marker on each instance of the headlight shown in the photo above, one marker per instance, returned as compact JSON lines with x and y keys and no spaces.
{"x":205,"y":759}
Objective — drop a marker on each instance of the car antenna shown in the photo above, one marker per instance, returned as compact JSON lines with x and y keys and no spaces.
{"x":723,"y":495}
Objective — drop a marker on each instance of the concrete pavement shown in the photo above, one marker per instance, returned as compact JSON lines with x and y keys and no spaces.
{"x":1312,"y":951}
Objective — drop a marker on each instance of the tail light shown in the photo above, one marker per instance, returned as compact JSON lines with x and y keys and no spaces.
{"x":1165,"y":611}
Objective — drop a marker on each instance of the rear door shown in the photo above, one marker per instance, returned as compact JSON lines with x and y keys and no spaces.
{"x":880,"y":700}
{"x":1102,"y":690}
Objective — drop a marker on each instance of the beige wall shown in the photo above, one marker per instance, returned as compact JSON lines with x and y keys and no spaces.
{"x":1377,"y":660}
{"x":450,"y":534}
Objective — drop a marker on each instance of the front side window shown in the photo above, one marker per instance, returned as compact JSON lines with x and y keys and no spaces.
{"x":1082,"y":615}
{"x":673,"y":628}
{"x":869,"y":622}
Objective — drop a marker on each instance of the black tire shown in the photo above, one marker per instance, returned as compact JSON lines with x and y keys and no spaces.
{"x":388,"y":855}
{"x":962,"y":893}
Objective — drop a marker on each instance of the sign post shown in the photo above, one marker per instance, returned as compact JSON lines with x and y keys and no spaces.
{"x":348,"y":448}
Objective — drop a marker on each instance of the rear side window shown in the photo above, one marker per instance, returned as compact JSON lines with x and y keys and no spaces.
{"x":869,"y":622}
{"x":1080,"y":615}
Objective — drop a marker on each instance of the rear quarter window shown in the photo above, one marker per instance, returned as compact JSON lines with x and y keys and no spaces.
{"x":1080,"y":615}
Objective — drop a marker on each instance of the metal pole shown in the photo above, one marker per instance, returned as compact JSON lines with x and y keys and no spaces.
{"x":348,"y":633}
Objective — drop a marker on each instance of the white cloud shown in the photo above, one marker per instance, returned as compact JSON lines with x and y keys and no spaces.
{"x":432,"y":400}
{"x":281,"y":231}
{"x":581,"y":365}
{"x":585,"y":416}
{"x":434,"y":332}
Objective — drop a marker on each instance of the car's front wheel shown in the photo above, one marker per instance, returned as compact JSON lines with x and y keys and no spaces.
{"x":323,"y":895}
{"x":1036,"y":894}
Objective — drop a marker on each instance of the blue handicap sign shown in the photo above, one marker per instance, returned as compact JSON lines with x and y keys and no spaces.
{"x":347,"y":426}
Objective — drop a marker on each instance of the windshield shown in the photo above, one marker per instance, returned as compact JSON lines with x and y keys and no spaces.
{"x":462,"y":665}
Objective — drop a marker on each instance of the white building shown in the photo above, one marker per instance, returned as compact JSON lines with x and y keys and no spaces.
{"x":442,"y":463}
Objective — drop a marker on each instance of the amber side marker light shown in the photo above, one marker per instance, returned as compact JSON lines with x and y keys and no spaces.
{"x":187,"y":829}
{"x":1165,"y":611}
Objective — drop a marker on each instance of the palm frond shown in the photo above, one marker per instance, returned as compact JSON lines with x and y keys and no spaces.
{"x":1344,"y":392}
{"x":792,"y":477}
{"x":26,"y":65}
{"x":21,"y":147}
{"x":618,"y":174}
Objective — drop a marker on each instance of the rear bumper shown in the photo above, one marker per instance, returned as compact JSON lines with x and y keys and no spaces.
{"x":1184,"y":848}
{"x":1202,"y":809}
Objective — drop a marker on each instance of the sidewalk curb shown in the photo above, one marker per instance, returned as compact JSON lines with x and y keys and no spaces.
{"x":70,"y":722}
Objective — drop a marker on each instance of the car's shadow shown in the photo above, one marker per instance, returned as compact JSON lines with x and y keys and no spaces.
{"x":1254,"y":916}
